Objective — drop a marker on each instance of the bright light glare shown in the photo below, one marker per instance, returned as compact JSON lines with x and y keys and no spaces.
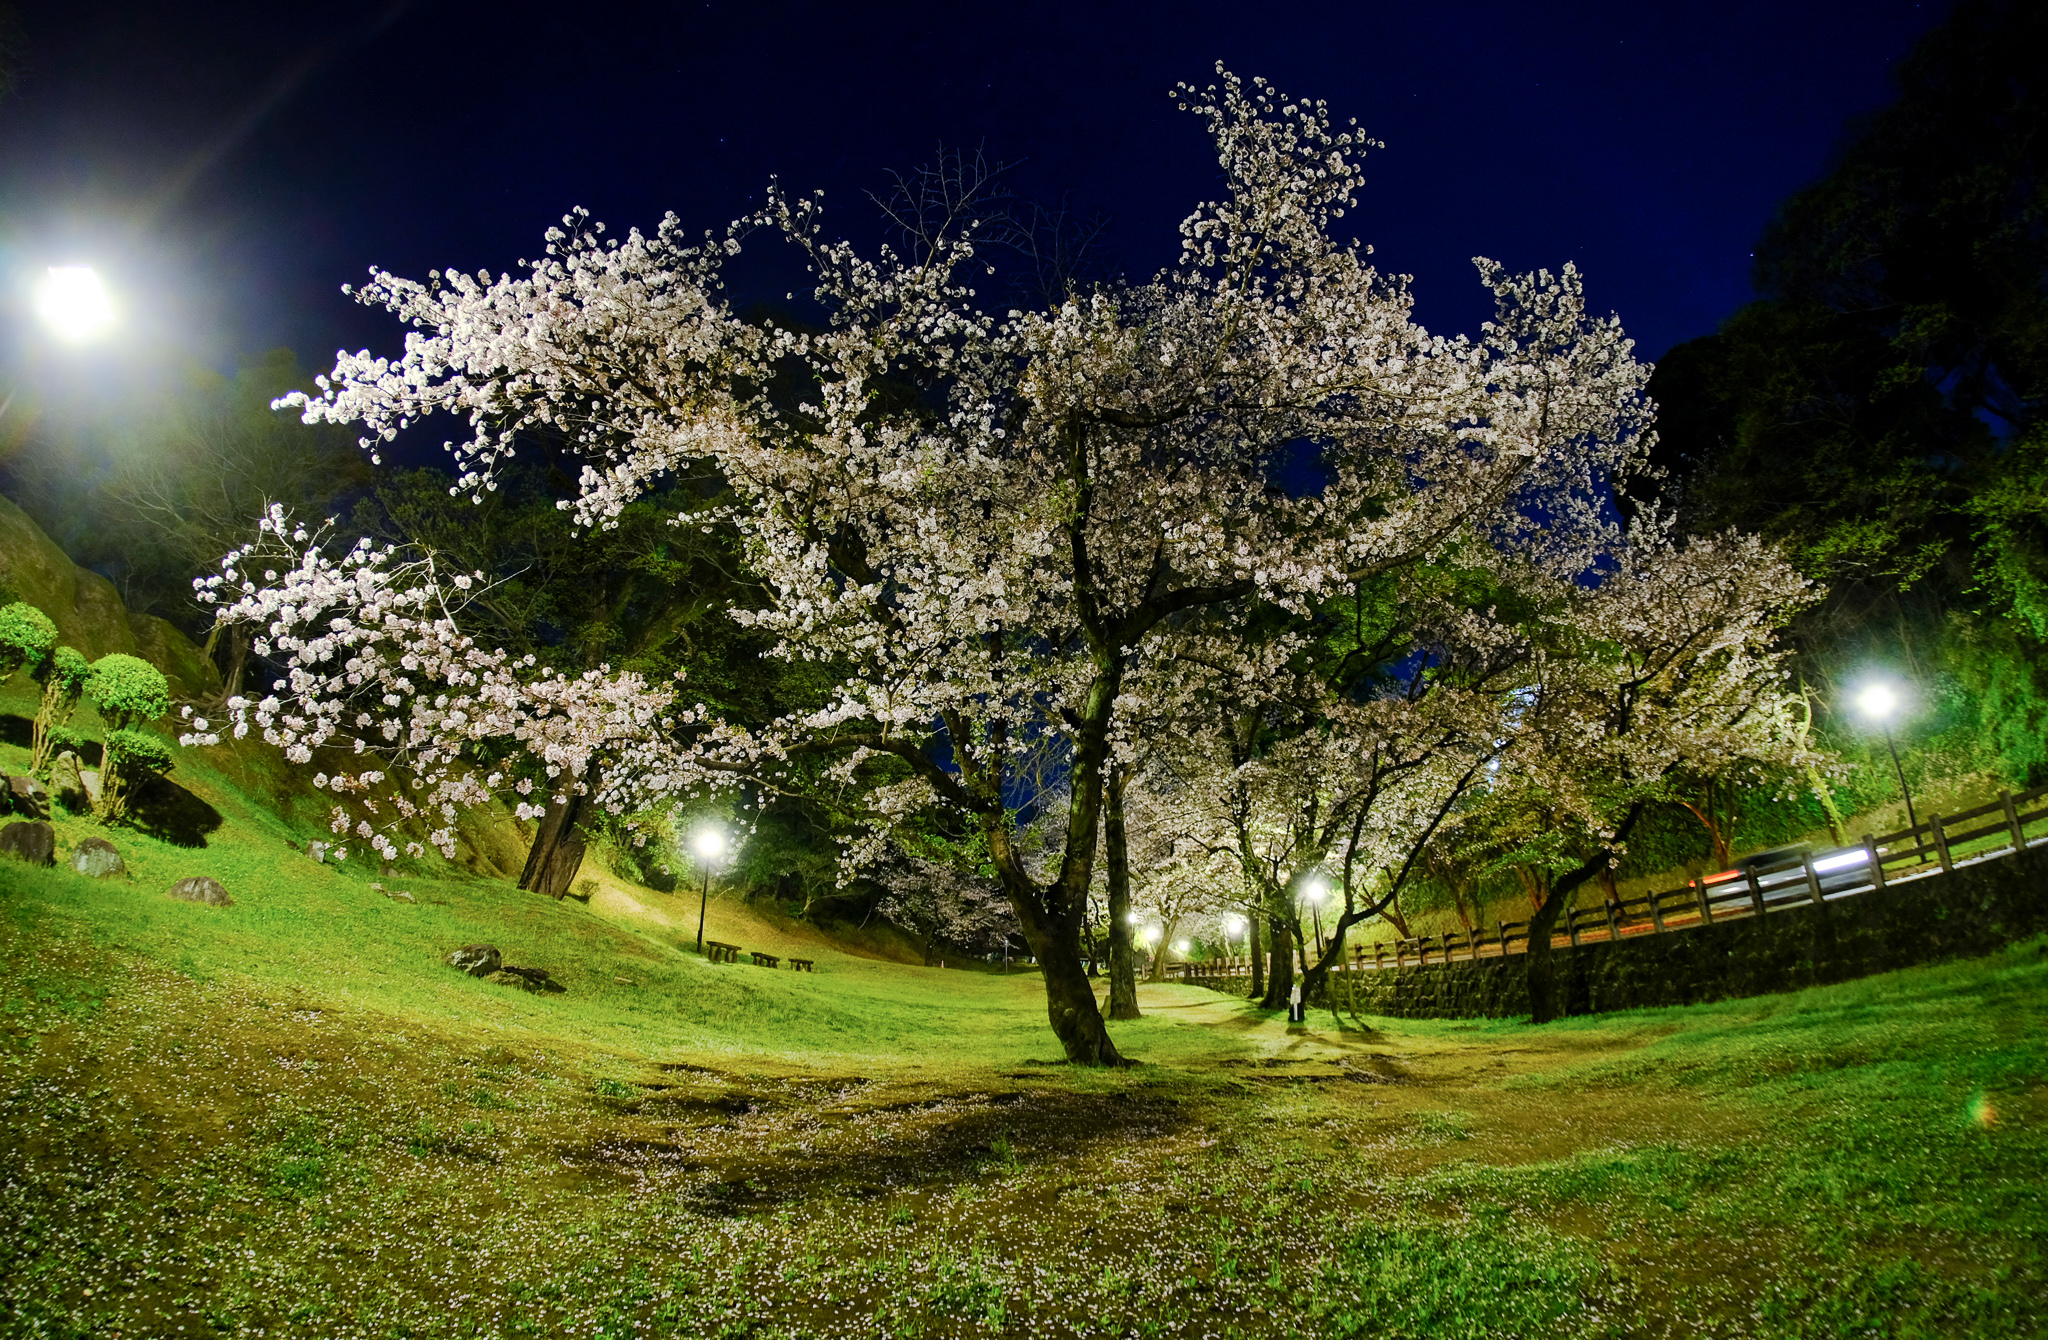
{"x":1317,"y":891}
{"x":1842,"y":861}
{"x":1180,"y":946}
{"x":1878,"y":701}
{"x":1234,"y":923}
{"x":73,"y":303}
{"x":709,"y":843}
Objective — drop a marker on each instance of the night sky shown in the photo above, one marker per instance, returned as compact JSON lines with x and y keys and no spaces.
{"x":229,"y":167}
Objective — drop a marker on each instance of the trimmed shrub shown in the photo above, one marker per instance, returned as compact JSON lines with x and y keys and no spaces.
{"x":26,"y":636}
{"x":127,"y":690}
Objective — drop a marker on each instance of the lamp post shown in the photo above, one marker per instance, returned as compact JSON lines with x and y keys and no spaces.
{"x":1316,"y":892}
{"x":708,"y":843}
{"x":1231,"y":925}
{"x":1878,"y":702}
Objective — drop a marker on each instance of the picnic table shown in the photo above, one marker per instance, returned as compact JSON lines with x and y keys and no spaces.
{"x":801,"y":964}
{"x":762,"y":960}
{"x":720,"y":952}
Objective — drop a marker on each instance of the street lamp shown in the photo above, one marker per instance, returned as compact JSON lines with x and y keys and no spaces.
{"x":74,"y":304}
{"x":709,"y":843}
{"x":1232,"y":924}
{"x":1316,"y":891}
{"x":1879,"y":702}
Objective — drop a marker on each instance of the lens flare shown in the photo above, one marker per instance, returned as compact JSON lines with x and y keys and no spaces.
{"x":74,"y":304}
{"x":1982,"y":1112}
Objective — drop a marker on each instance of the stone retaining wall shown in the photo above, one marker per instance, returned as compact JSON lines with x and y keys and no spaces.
{"x":1973,"y":910}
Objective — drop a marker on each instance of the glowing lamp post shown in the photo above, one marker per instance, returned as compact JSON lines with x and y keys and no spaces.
{"x":74,"y":304}
{"x":1878,"y":703}
{"x":1317,"y":892}
{"x":1231,"y":926}
{"x":708,"y":843}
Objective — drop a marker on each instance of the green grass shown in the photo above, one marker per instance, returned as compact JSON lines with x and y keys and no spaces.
{"x":288,"y":1118}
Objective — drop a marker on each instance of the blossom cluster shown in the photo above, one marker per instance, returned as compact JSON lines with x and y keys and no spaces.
{"x":421,"y":721}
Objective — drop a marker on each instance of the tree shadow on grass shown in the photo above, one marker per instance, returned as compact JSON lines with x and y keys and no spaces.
{"x":734,"y":1150}
{"x":170,"y":813}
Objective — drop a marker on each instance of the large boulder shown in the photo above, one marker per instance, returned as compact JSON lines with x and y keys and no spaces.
{"x":66,"y":784}
{"x":95,"y":856}
{"x":201,"y":889}
{"x":476,"y":960}
{"x":34,"y":842}
{"x":89,"y":778}
{"x":28,"y":798}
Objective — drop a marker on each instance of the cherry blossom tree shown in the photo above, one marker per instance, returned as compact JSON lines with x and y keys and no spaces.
{"x":1338,"y":778}
{"x":1667,"y":668}
{"x":983,"y":518}
{"x":944,"y":904}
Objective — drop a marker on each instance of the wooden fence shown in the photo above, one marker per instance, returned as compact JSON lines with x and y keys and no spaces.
{"x":1753,"y":889}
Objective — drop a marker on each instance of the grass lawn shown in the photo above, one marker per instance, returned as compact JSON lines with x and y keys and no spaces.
{"x":287,"y":1118}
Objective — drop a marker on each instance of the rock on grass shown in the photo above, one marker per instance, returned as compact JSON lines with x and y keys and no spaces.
{"x":476,"y":960}
{"x":201,"y":889}
{"x":34,"y":842}
{"x":97,"y":857}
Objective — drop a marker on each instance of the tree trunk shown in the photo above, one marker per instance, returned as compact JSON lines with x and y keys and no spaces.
{"x":1544,"y":1003}
{"x":1071,"y":1009}
{"x":1541,"y":969}
{"x":1050,"y":916}
{"x":1280,"y":962}
{"x":1123,"y":966}
{"x":1167,"y":928}
{"x":557,"y":852}
{"x":1255,"y":950}
{"x":238,"y":662}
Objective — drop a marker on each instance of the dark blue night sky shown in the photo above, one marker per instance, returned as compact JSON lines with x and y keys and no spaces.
{"x":231,"y":166}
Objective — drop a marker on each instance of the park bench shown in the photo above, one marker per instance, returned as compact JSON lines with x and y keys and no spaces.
{"x":719,"y":952}
{"x":801,"y":965}
{"x":762,"y":960}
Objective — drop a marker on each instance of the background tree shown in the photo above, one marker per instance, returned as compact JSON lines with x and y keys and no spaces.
{"x":1666,"y":672}
{"x":181,"y":481}
{"x":1878,"y":408}
{"x":942,"y":905}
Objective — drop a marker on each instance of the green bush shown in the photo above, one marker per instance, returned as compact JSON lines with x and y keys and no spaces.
{"x":26,"y":636}
{"x":127,"y":690}
{"x":135,"y":752}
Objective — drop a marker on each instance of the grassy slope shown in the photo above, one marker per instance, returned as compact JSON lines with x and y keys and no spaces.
{"x":288,"y":1118}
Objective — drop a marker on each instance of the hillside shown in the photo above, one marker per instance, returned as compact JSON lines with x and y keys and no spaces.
{"x":88,"y":611}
